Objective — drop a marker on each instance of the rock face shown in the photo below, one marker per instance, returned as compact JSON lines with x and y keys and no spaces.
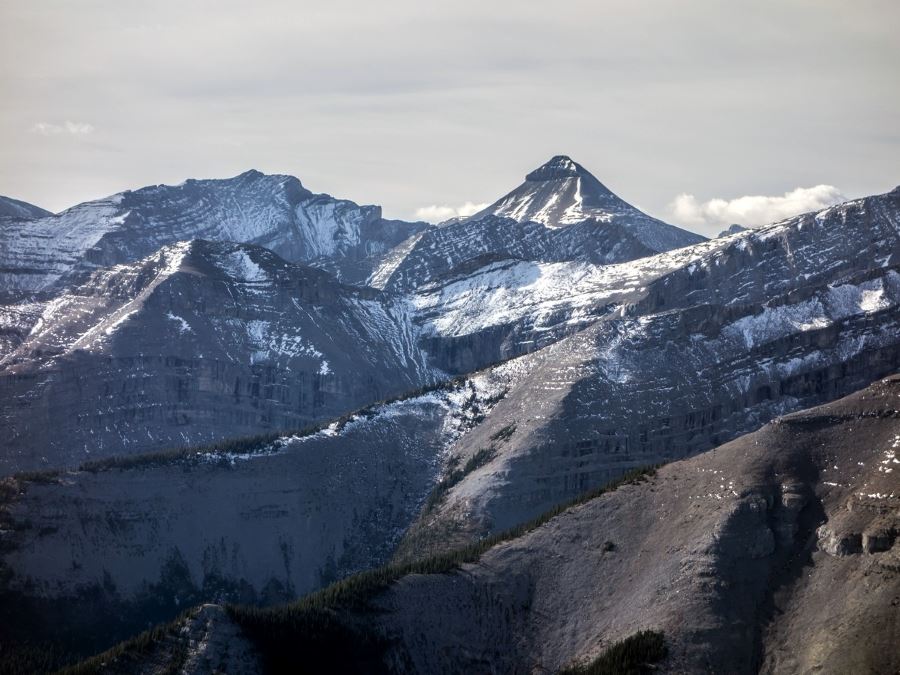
{"x":718,"y":552}
{"x":562,"y":192}
{"x":197,"y":342}
{"x":233,"y":340}
{"x":48,"y":253}
{"x":148,"y":355}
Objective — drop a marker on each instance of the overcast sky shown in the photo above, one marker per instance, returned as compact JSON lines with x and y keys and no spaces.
{"x":681,"y":107}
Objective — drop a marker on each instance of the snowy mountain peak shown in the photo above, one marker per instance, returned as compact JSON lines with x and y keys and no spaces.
{"x":561,"y":192}
{"x":560,"y":166}
{"x":46,"y":253}
{"x":562,"y":169}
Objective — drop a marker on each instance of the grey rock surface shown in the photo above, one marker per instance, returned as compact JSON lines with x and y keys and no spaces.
{"x":202,"y":641}
{"x":509,"y":307}
{"x":719,"y":552}
{"x":462,"y":247}
{"x":259,"y":524}
{"x":197,"y":342}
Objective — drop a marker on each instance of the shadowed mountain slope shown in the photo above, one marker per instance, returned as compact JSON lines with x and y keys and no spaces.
{"x":14,"y":209}
{"x":777,"y":552}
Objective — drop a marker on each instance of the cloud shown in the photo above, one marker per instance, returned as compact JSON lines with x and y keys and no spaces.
{"x":437,"y":213}
{"x":751,"y":210}
{"x":67,"y":127}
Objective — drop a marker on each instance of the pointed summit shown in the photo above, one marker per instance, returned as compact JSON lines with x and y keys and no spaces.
{"x":562,"y":169}
{"x":560,"y":166}
{"x":561,"y":192}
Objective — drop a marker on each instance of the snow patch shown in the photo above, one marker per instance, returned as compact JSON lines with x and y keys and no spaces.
{"x":183,"y":326}
{"x":241,"y":267}
{"x":269,"y":343}
{"x":119,"y":220}
{"x":838,"y":303}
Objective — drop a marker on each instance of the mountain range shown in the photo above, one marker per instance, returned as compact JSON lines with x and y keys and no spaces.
{"x":240,"y":391}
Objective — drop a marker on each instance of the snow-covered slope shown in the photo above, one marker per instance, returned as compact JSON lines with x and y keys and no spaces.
{"x":14,"y":209}
{"x":508,"y":307}
{"x":562,"y":192}
{"x":458,"y":248}
{"x":712,"y":342}
{"x":201,"y":340}
{"x":274,"y":211}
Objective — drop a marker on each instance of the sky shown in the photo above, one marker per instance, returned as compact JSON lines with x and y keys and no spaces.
{"x":700,"y":112}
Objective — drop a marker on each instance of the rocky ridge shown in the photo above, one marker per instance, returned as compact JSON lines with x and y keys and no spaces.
{"x":46,"y":254}
{"x":15,"y":209}
{"x":197,"y":342}
{"x":734,"y":556}
{"x":256,"y":521}
{"x":777,"y":552}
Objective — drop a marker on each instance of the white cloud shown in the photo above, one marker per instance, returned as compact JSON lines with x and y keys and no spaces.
{"x":751,"y":210}
{"x":67,"y":127}
{"x":45,"y":129}
{"x":79,"y":128}
{"x":437,"y":213}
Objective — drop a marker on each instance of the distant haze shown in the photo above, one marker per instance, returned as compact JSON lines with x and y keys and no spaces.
{"x":700,"y":113}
